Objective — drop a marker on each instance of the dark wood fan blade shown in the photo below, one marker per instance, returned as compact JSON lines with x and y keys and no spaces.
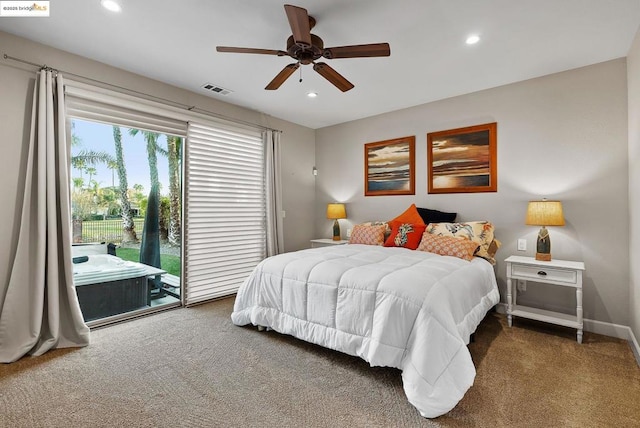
{"x":299,"y":23}
{"x":332,"y":76}
{"x":282,"y":76}
{"x":250,"y":50}
{"x":357,"y":51}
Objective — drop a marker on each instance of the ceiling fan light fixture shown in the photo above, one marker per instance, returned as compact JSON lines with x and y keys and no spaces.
{"x":111,"y":5}
{"x":305,"y":48}
{"x":473,"y":39}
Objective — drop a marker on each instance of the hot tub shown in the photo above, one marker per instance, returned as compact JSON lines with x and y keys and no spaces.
{"x":106,"y":285}
{"x":105,"y":267}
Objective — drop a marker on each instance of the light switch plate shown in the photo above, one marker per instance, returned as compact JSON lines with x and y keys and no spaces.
{"x":522,"y":245}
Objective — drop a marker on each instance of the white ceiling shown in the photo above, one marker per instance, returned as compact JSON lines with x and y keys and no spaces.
{"x":174,"y":41}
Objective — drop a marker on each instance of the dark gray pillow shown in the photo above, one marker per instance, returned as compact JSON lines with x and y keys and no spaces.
{"x":435,"y":216}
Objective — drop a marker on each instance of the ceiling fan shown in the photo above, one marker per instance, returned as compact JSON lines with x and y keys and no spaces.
{"x":306,"y":48}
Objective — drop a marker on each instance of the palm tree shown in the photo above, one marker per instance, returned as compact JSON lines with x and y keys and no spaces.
{"x":112,"y":165}
{"x":78,"y":182}
{"x":151,"y":138}
{"x":80,"y":162}
{"x":174,"y":146}
{"x":89,"y":157}
{"x":128,"y":227}
{"x":91,"y":171}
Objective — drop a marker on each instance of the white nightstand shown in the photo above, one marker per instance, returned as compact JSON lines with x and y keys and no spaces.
{"x":325,"y":242}
{"x":556,"y":272}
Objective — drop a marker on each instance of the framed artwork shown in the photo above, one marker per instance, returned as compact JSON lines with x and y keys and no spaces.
{"x":463,"y":160}
{"x":389,"y":167}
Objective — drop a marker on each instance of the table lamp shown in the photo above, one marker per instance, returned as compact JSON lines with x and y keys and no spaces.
{"x":544,"y":213}
{"x":335,"y":212}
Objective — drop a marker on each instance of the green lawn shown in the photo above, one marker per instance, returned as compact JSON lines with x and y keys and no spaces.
{"x":168,"y":262}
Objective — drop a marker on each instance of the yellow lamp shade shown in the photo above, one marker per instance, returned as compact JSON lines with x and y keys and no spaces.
{"x":336,"y":211}
{"x":545,"y":213}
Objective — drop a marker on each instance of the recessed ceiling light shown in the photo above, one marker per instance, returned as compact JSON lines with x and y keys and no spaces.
{"x":472,"y":40}
{"x":312,"y":94}
{"x":111,"y":5}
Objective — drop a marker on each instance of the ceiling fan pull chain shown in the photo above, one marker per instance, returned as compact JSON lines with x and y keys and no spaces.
{"x":300,"y":81}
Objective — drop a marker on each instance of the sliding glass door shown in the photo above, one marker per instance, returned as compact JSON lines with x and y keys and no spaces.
{"x":127,"y":218}
{"x":137,"y":245}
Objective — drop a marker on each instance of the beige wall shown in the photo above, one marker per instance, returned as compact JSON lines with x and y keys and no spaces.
{"x":633,"y":82}
{"x":560,"y":136}
{"x":16,"y":85}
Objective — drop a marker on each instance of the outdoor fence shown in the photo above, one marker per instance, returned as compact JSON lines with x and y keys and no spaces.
{"x":103,"y":230}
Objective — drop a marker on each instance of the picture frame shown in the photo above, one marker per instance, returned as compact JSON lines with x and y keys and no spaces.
{"x":389,"y":167}
{"x":463,"y":160}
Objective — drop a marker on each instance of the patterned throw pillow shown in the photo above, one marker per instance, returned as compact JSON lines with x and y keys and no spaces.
{"x":476,"y":231}
{"x":405,"y":235}
{"x":493,"y":247}
{"x":448,"y":246}
{"x":387,"y":228}
{"x":367,"y":235}
{"x":410,"y":215}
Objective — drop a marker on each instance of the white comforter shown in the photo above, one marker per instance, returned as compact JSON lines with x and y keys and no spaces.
{"x":393,"y":307}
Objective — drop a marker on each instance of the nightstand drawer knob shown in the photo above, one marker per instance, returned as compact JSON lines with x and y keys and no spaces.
{"x":542,"y":273}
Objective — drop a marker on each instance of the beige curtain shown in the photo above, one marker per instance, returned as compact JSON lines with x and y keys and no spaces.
{"x":273,"y":185}
{"x":39,"y":308}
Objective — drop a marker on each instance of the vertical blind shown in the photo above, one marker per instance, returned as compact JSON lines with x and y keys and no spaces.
{"x":225,"y":229}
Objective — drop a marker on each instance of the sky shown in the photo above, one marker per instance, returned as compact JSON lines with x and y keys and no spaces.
{"x":99,"y":137}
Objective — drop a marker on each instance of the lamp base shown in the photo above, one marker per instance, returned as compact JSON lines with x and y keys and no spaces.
{"x":543,"y":246}
{"x":543,"y":257}
{"x":336,"y":230}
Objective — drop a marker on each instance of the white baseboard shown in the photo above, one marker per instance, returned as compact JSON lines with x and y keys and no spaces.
{"x":607,"y":329}
{"x":634,"y":346}
{"x":599,"y":327}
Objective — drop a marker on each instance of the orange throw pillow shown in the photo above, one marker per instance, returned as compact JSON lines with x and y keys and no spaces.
{"x":448,"y":246}
{"x":405,"y":235}
{"x":411,"y":216}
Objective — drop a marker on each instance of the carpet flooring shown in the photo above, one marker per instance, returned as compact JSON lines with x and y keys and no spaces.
{"x":194,"y":368}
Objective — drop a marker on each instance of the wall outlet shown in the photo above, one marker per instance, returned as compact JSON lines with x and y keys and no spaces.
{"x":522,"y":245}
{"x":348,"y":233}
{"x":522,"y":285}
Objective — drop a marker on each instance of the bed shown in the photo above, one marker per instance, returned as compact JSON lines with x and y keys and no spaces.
{"x":391,"y":306}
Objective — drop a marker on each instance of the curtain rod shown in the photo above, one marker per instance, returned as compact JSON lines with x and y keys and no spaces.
{"x":175,"y":103}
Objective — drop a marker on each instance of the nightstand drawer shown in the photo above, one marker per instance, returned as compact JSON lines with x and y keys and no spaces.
{"x":548,"y":274}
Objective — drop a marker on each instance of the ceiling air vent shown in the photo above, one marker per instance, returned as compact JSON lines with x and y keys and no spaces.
{"x":216,"y":89}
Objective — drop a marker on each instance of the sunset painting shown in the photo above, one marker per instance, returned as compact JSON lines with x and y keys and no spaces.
{"x":463,"y":160}
{"x":389,"y":167}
